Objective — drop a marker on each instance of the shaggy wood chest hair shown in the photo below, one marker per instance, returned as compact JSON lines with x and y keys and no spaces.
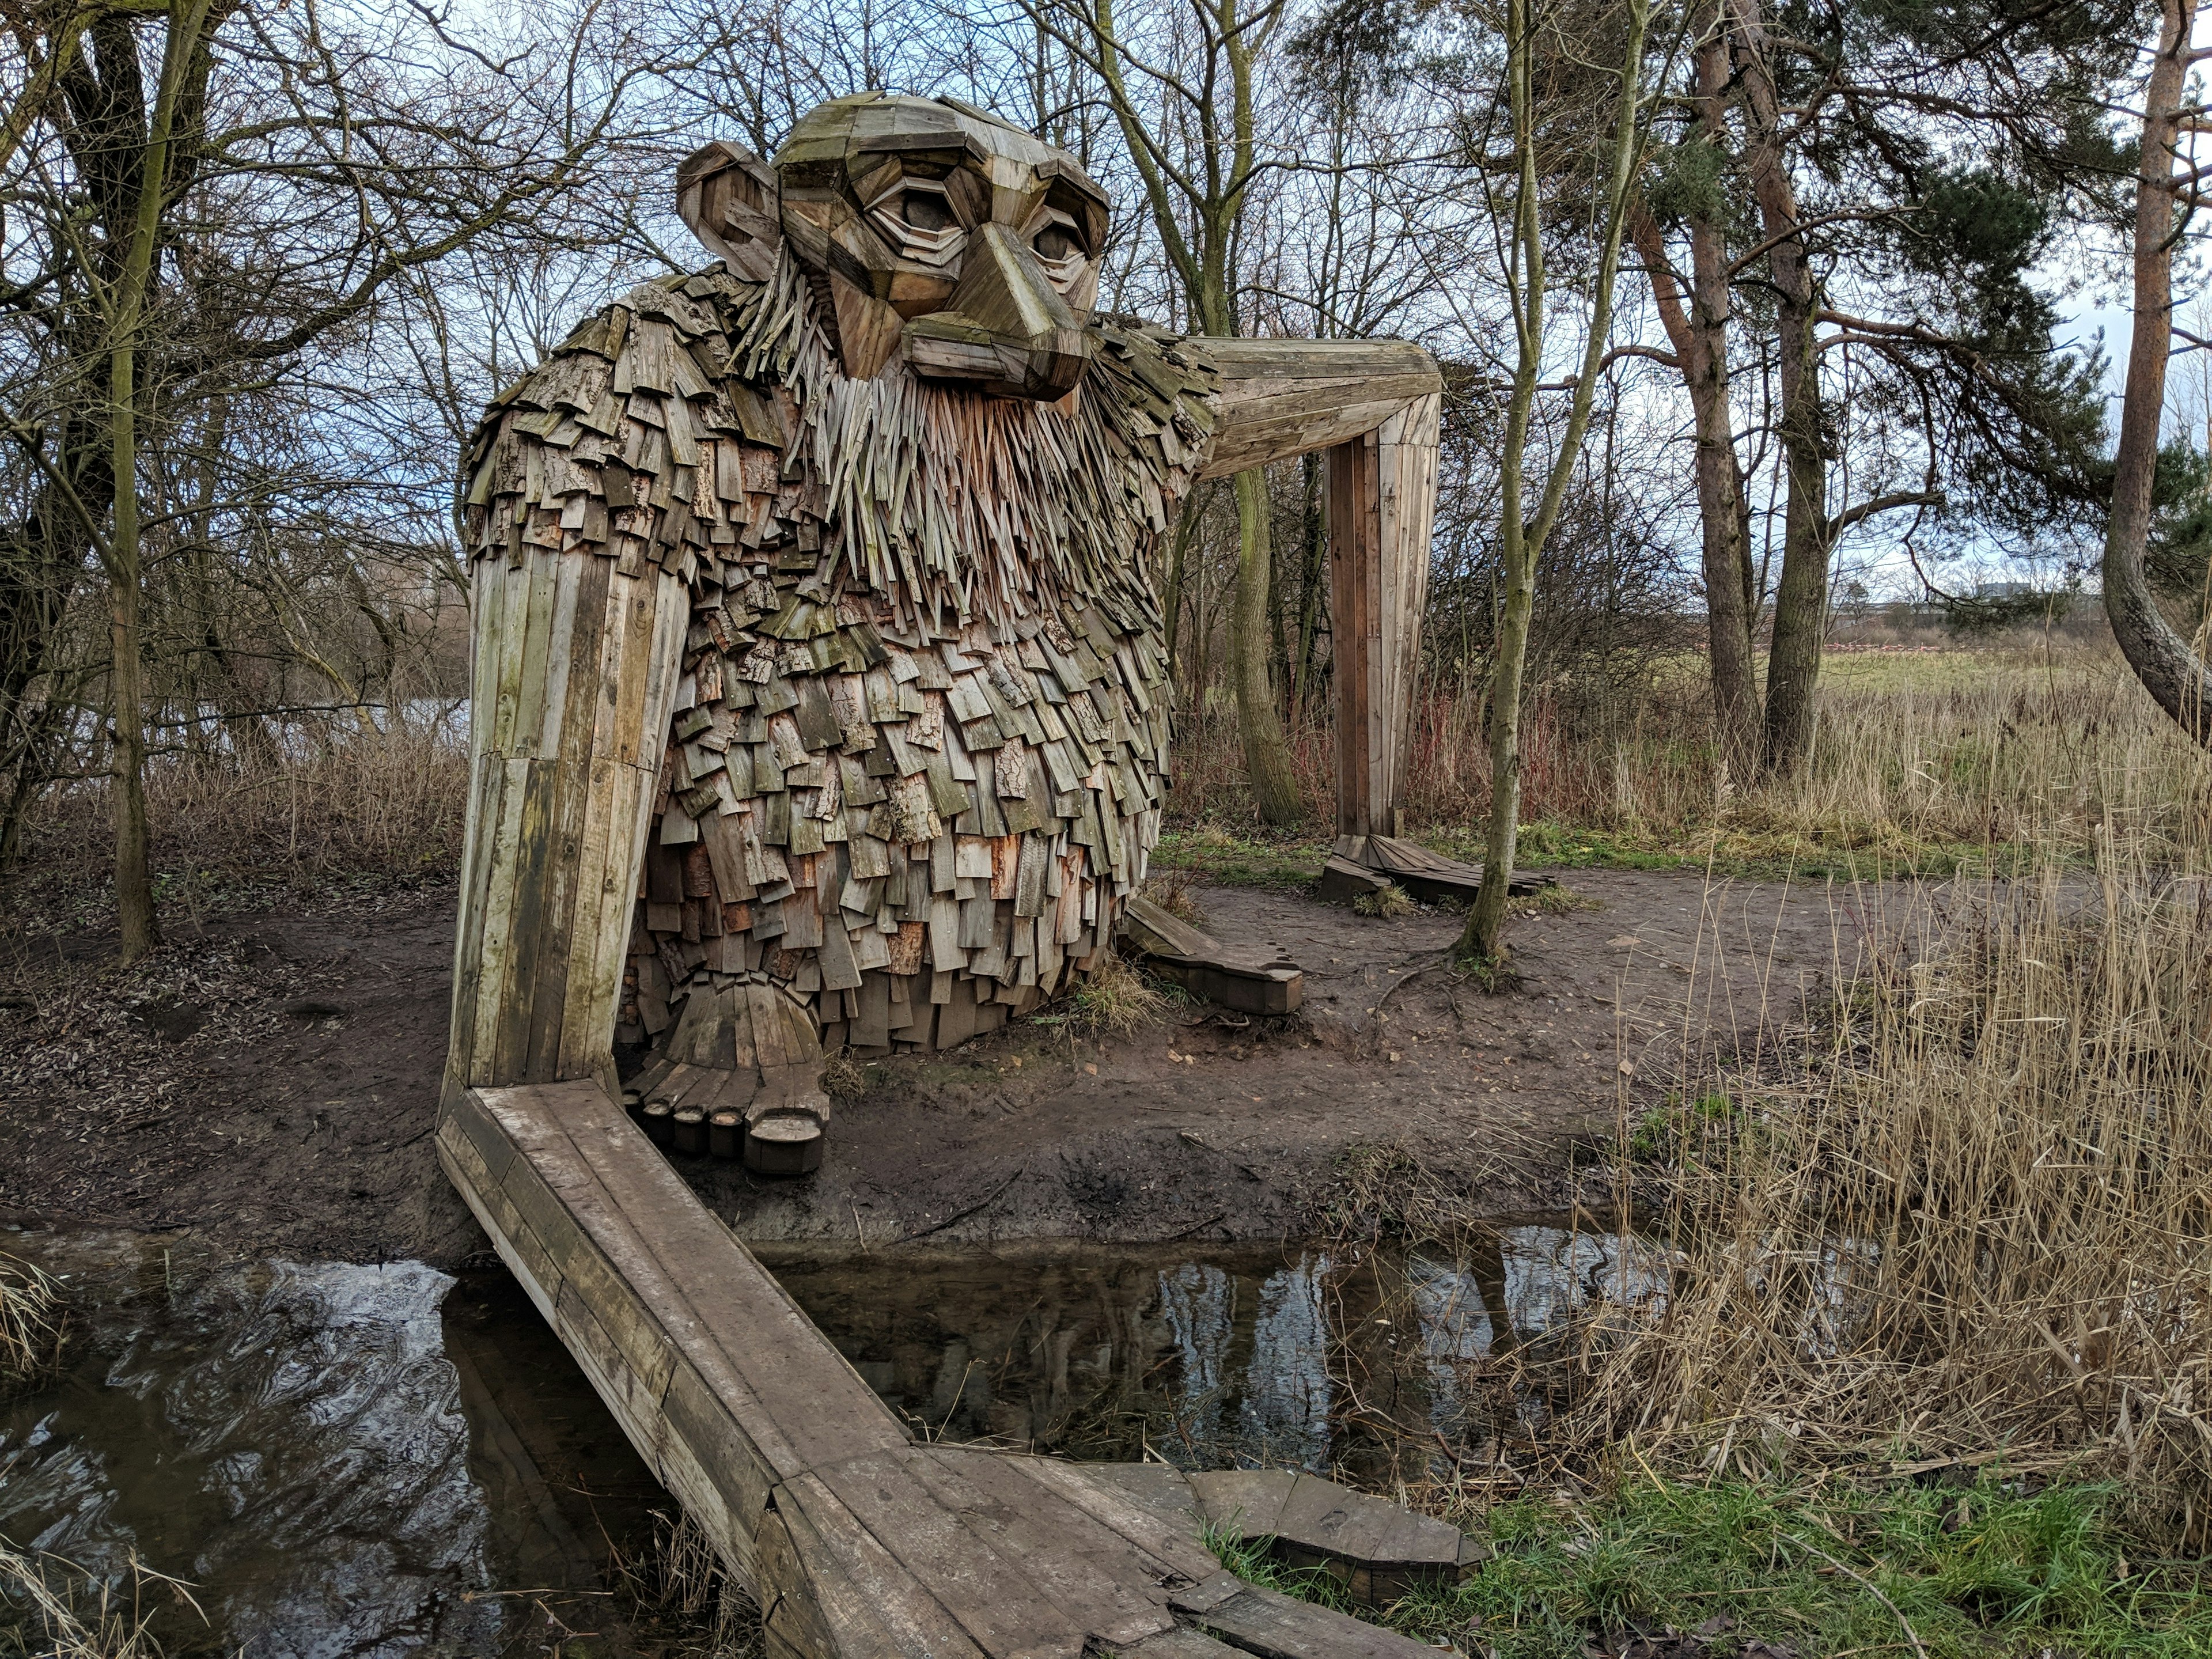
{"x":921,"y":740}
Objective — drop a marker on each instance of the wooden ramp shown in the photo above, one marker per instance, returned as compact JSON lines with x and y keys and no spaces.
{"x":855,"y":1540}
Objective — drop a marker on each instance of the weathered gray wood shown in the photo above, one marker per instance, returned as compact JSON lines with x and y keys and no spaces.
{"x":1248,"y":1502}
{"x":1424,"y":874}
{"x":1280,"y":398}
{"x":1160,"y":1488}
{"x":1273,"y":1626}
{"x":1378,"y":1550}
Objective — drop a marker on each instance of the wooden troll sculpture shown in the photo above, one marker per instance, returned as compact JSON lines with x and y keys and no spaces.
{"x":819,"y":695}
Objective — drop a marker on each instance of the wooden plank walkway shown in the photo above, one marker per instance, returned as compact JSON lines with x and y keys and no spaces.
{"x":855,"y":1540}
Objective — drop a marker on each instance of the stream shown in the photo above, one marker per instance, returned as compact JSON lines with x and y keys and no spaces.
{"x":349,"y":1460}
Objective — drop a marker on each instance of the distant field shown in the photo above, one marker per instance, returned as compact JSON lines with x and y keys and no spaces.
{"x":1923,"y":760}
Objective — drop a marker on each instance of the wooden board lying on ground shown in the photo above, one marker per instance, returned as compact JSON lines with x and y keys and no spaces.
{"x":1250,"y":979}
{"x":854,"y":1540}
{"x":1426,"y":875}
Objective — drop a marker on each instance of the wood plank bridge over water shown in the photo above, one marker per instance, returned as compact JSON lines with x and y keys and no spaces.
{"x":855,"y":1539}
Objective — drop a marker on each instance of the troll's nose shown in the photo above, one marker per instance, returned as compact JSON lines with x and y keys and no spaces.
{"x":1006,"y":327}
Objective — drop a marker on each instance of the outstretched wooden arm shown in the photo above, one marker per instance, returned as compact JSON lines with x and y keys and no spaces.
{"x":1284,"y":398}
{"x":1374,"y":406}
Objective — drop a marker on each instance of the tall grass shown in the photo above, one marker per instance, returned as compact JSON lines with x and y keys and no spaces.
{"x":2030,"y":746}
{"x":50,"y":1608}
{"x":1964,"y":1219}
{"x":676,"y":1591}
{"x":1972,"y":1218}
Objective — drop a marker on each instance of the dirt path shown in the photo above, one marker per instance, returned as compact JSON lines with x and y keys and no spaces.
{"x":270,"y":1082}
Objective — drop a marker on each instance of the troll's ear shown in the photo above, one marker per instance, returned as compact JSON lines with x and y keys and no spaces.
{"x":728,"y":196}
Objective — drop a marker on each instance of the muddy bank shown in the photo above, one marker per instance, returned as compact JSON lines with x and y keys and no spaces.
{"x":269,"y":1082}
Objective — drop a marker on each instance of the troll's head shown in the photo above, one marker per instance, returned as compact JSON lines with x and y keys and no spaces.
{"x":932,"y":232}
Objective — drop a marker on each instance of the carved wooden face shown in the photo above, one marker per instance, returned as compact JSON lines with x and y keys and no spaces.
{"x":936,"y":231}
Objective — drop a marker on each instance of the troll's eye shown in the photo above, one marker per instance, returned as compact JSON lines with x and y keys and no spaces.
{"x":925,"y":209}
{"x":1055,"y":243}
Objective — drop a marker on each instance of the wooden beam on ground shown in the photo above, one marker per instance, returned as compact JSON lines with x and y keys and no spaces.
{"x":856,"y":1541}
{"x":1426,"y":875}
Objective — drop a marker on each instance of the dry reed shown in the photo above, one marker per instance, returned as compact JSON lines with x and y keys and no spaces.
{"x":1966,"y":1218}
{"x":2029,"y":747}
{"x":33,"y":1323}
{"x":49,"y":1608}
{"x":1978,"y":1222}
{"x":677,"y":1590}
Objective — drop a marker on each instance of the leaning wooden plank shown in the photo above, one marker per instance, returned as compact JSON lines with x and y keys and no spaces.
{"x":1431,"y":876}
{"x":1251,"y":980}
{"x":995,"y":1600}
{"x":865,"y":1599}
{"x":1342,"y":881}
{"x":1248,"y":1502}
{"x":718,"y":1377}
{"x":795,"y":1393}
{"x":1160,"y":1487}
{"x":1174,"y":1545}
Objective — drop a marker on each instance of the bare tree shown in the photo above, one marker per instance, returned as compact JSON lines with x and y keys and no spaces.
{"x":1187,"y":107}
{"x":1520,"y":213}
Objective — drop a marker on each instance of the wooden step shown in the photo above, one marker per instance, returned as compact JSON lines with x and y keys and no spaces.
{"x":1250,"y":979}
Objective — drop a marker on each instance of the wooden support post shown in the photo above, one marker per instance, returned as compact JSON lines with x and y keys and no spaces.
{"x":1382,"y":506}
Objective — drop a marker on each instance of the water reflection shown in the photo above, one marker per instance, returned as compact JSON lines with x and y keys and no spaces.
{"x":1254,"y":1357}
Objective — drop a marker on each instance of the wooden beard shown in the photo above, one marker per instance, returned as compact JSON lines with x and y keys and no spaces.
{"x":919,"y":740}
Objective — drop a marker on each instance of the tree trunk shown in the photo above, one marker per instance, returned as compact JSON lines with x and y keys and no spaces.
{"x":134,"y":877}
{"x":1266,"y":751}
{"x":1485,"y":919}
{"x":1801,"y":600}
{"x":2169,"y":668}
{"x":1698,"y":331}
{"x":1313,"y":539}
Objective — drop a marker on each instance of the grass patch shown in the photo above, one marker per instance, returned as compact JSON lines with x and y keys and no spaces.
{"x":673,"y":1592}
{"x":1175,"y":891}
{"x":1386,"y":902}
{"x":1558,"y":900}
{"x":1253,"y":1560}
{"x":1837,"y":1569}
{"x":1114,"y":998}
{"x":51,"y":1608}
{"x":844,"y":1080}
{"x":1209,"y":852}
